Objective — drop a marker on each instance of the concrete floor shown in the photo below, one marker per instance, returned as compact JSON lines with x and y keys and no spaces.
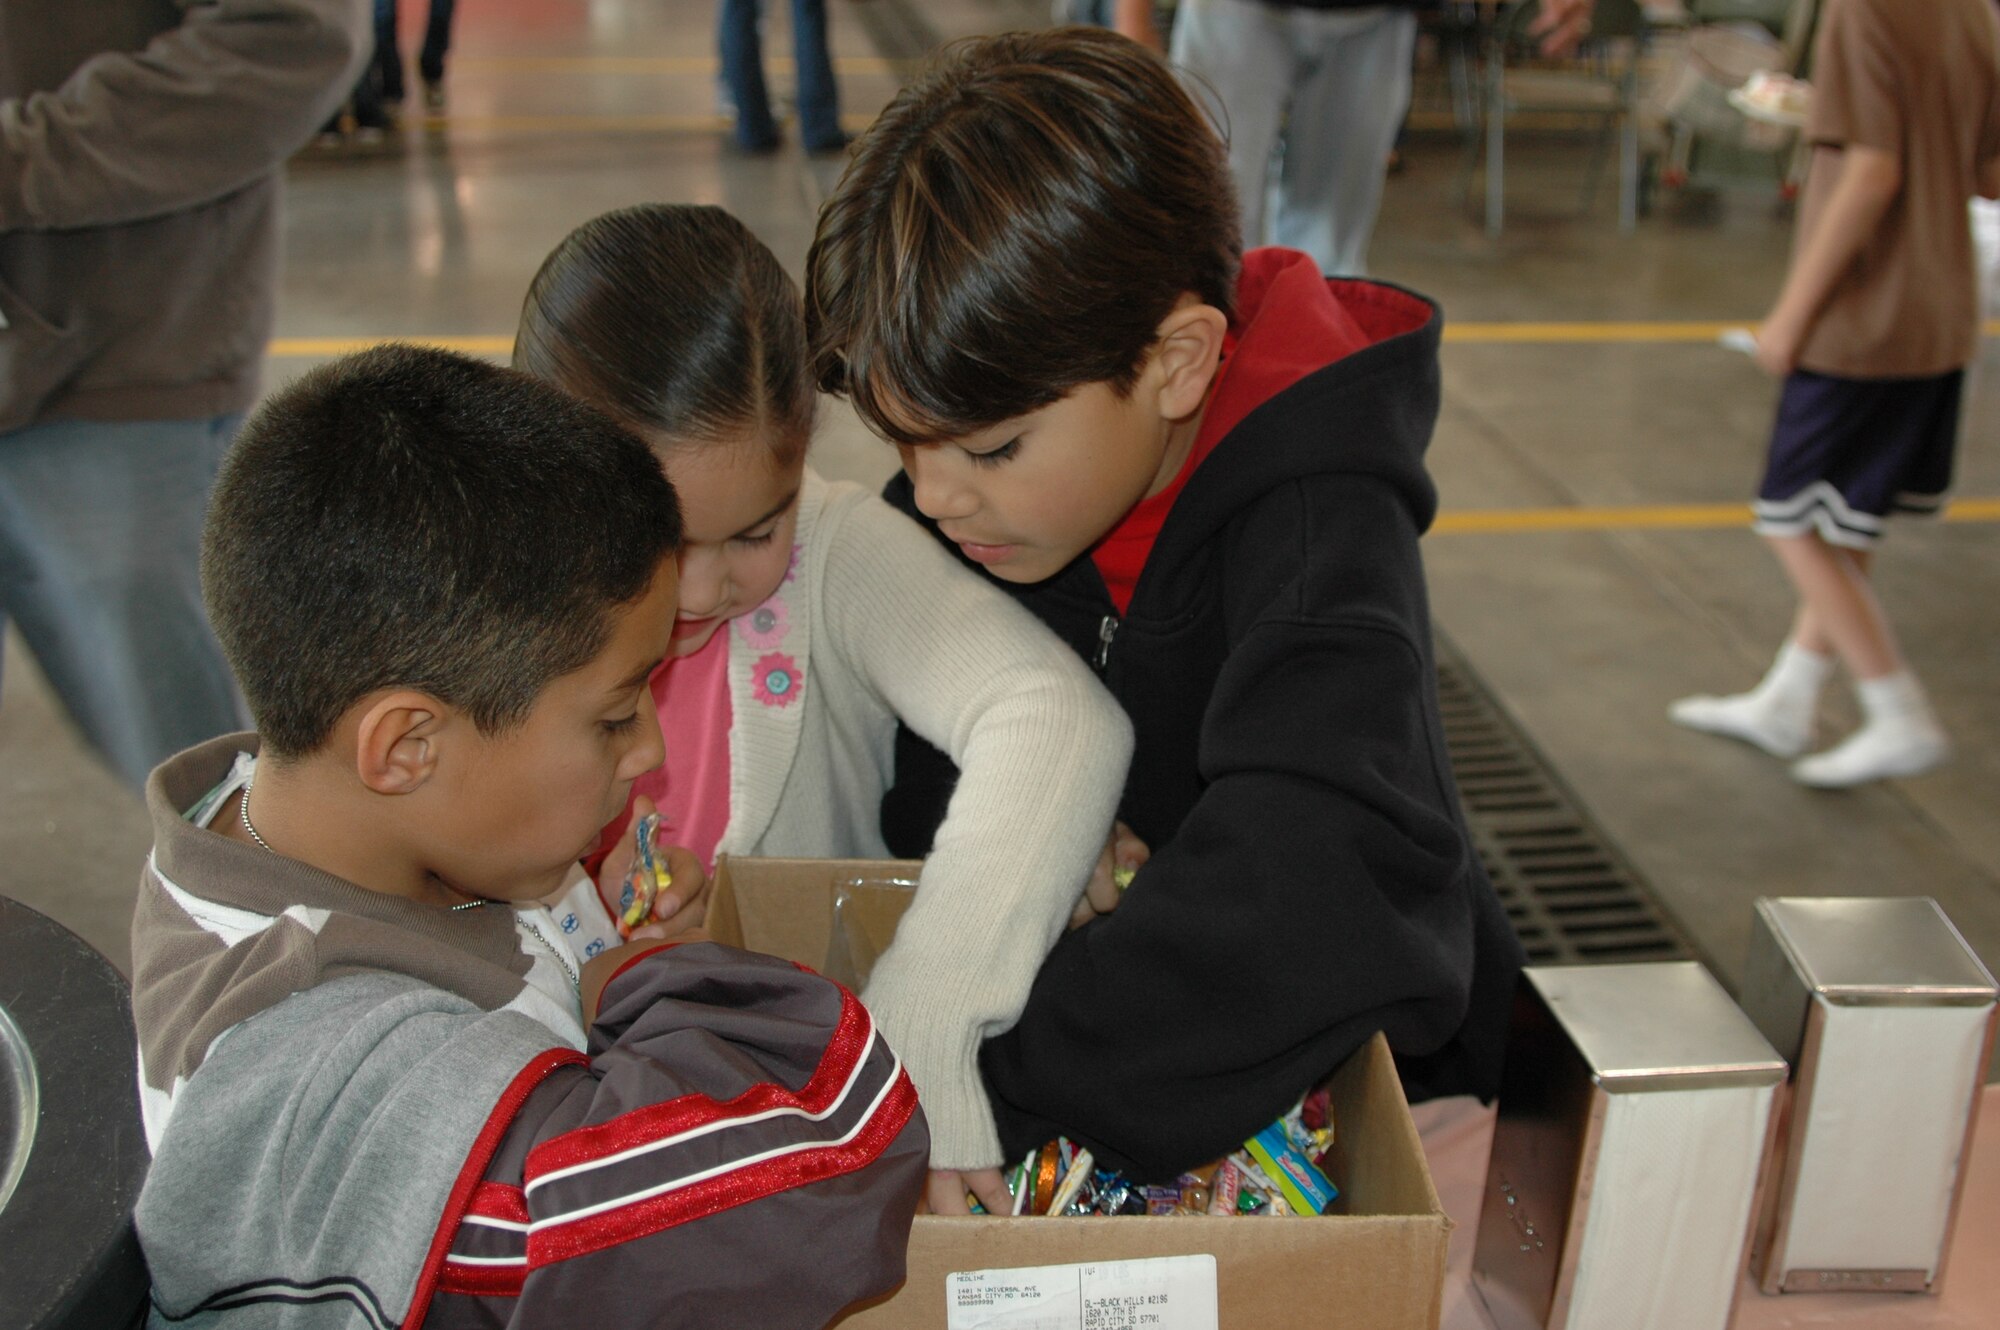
{"x":562,"y":109}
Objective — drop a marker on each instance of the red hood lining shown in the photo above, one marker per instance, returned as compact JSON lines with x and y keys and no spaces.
{"x":1291,"y":322}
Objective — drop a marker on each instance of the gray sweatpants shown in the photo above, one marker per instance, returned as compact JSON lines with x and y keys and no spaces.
{"x":1333,"y":85}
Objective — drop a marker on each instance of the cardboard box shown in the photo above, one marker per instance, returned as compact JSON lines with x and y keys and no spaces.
{"x":1377,"y":1265}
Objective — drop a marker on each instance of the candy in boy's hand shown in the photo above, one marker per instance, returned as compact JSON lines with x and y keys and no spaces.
{"x":645,"y":880}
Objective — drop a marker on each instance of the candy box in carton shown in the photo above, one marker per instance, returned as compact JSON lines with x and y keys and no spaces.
{"x":1376,"y":1263}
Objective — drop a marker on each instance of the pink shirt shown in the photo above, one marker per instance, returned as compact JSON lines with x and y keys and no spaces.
{"x":692,"y":786}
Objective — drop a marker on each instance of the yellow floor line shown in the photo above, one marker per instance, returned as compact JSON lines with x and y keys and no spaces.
{"x":1547,"y":333}
{"x":591,"y":124}
{"x":1588,"y":332}
{"x":1608,"y":333}
{"x":310,"y":348}
{"x":1632,"y":517}
{"x":703,"y":65}
{"x":1646,"y":517}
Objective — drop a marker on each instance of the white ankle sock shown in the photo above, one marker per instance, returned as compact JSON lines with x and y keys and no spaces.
{"x":1899,"y":736}
{"x":1776,"y":715}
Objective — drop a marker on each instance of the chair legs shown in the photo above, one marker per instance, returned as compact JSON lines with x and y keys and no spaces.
{"x":1496,"y":147}
{"x":1628,"y":172}
{"x":1623,"y":120}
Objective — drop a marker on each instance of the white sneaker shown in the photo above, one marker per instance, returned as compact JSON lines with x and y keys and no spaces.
{"x":1879,"y":750}
{"x":1746,"y":716}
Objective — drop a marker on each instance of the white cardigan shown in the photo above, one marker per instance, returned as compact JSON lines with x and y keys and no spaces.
{"x":877,"y":622}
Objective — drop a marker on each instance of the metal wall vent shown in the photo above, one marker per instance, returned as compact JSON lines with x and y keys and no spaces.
{"x":1572,"y":899}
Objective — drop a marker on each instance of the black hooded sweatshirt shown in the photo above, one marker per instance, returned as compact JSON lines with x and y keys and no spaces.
{"x":1312,"y":880}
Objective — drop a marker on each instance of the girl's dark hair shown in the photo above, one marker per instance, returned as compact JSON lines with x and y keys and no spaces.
{"x":1015,"y":225}
{"x":674,"y":320}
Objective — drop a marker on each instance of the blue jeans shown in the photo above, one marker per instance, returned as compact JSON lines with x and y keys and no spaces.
{"x":742,"y":51}
{"x":100,"y":535}
{"x":430,"y":60}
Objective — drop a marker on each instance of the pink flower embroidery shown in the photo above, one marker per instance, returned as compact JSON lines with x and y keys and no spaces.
{"x":774,"y":680}
{"x":765,"y":626}
{"x":792,"y":568}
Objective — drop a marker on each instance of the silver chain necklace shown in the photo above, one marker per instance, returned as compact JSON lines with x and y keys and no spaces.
{"x":243,"y":812}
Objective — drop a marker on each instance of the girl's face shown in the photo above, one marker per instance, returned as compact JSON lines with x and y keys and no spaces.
{"x":739,"y":507}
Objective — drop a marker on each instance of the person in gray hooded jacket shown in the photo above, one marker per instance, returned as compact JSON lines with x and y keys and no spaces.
{"x":379,"y":1087}
{"x":140,"y":142}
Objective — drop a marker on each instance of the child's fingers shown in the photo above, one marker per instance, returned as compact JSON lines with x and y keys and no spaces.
{"x":990,"y":1188}
{"x":1100,"y":893}
{"x":689,"y":888}
{"x":944,"y":1193}
{"x":617,"y":863}
{"x":691,"y":915}
{"x":1127,"y":850}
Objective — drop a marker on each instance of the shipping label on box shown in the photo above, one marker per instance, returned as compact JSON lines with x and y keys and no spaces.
{"x":1164,"y":1293}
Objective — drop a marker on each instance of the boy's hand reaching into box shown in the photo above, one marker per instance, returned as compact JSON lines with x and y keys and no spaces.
{"x":1123,"y":854}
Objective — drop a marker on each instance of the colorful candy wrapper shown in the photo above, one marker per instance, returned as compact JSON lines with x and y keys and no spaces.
{"x":1299,"y":1181}
{"x":1228,"y":1184}
{"x":645,"y":880}
{"x":1072,"y":1184}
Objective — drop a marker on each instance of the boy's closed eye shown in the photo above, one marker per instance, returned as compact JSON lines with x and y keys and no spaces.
{"x":995,"y":456}
{"x":629,"y":693}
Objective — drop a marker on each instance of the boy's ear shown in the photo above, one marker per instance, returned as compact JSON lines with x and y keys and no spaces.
{"x":396,"y":741}
{"x":1186,"y":349}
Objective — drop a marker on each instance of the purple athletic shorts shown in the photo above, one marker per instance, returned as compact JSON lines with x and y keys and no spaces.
{"x":1846,"y":453}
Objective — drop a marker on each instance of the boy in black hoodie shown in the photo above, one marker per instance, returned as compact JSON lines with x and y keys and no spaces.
{"x":1203,"y":469}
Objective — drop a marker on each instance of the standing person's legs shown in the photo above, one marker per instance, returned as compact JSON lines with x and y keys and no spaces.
{"x":742,"y":52}
{"x":819,"y":95}
{"x":1844,"y":455}
{"x":388,"y":60}
{"x":1345,"y":116}
{"x":437,"y":42}
{"x":100,"y":537}
{"x":1899,"y":734}
{"x":1096,"y":13}
{"x":1238,"y":60}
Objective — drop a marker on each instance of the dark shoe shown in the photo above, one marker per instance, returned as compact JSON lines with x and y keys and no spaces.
{"x":433,"y":96}
{"x":833,"y":147}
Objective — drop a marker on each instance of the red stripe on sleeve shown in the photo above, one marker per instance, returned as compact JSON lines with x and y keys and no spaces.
{"x":497,"y":1200}
{"x":728,"y":1190}
{"x":642,"y":1126}
{"x":474,"y":1170}
{"x":483,"y":1281}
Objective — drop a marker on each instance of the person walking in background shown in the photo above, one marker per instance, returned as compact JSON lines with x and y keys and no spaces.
{"x":139,"y":201}
{"x":430,"y":57}
{"x":1872,"y":331}
{"x":1323,"y":85}
{"x":741,"y":44}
